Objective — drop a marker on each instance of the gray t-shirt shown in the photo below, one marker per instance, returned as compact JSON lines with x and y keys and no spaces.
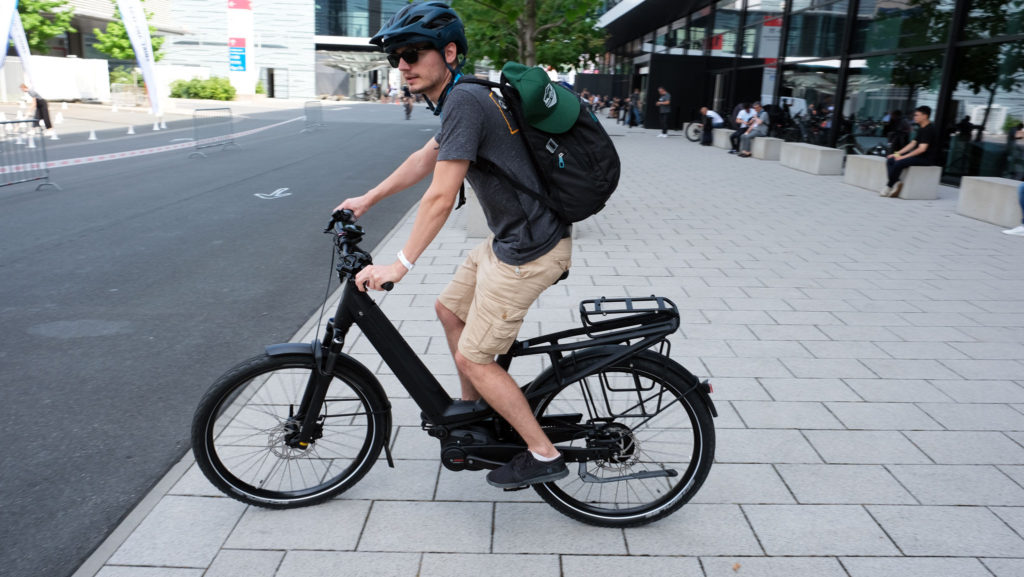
{"x":476,"y":127}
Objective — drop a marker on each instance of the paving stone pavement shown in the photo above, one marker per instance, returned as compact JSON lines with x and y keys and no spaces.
{"x":866,"y":355}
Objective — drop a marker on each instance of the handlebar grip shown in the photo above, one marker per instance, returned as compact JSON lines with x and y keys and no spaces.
{"x":388,"y":286}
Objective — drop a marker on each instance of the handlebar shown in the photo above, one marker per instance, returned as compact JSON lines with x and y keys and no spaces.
{"x":347,"y":236}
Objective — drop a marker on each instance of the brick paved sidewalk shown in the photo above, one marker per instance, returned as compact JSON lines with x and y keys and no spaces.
{"x":866,"y":357}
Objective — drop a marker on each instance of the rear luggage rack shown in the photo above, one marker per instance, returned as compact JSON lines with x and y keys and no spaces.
{"x":609,"y":321}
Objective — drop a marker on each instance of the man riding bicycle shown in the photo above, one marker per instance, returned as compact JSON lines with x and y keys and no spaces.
{"x":530,"y":248}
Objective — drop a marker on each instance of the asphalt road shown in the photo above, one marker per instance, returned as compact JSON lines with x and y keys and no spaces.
{"x":124,"y":295}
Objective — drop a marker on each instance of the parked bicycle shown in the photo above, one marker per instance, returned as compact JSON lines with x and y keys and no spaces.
{"x":694,"y":130}
{"x":303,"y":422}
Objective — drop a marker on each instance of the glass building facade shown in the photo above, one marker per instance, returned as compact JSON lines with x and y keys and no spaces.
{"x":842,"y":70}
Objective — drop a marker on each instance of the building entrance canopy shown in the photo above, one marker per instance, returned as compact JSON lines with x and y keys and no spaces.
{"x":354,"y":62}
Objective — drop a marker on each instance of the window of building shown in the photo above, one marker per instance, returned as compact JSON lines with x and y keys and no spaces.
{"x":817,"y":30}
{"x":727,"y":24}
{"x":988,"y":110}
{"x":901,"y":24}
{"x":762,"y":34}
{"x":881,"y":95}
{"x":808,"y":96}
{"x":698,"y":39}
{"x":992,"y":18}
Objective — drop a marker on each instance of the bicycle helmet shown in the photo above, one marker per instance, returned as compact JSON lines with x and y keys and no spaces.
{"x":431,"y":22}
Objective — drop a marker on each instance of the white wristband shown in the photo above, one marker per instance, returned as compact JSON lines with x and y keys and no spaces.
{"x":405,"y":262}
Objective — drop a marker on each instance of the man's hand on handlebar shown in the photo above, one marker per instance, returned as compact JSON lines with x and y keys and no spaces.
{"x":358,"y":205}
{"x":380,"y":277}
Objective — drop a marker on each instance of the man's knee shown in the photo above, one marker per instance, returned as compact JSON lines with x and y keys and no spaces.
{"x":444,"y":314}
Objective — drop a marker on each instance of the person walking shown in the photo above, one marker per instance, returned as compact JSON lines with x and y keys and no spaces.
{"x":634,"y":108}
{"x":40,"y":107}
{"x":921,"y":151}
{"x":530,"y":248}
{"x":664,"y":110}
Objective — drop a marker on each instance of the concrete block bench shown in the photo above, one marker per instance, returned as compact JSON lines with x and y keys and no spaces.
{"x":766,"y":148}
{"x":920,"y":182}
{"x":866,"y":172}
{"x":811,"y":158}
{"x":720,"y":137}
{"x":990,"y":199}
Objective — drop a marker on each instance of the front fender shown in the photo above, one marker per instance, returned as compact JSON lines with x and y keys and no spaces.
{"x":344,"y":365}
{"x":291,"y":349}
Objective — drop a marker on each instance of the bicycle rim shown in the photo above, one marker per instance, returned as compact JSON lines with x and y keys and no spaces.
{"x":241,"y":432}
{"x":667,"y":453}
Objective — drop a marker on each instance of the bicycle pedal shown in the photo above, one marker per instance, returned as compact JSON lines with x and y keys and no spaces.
{"x":509,"y":489}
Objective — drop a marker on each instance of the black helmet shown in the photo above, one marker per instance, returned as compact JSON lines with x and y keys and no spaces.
{"x":432,"y":22}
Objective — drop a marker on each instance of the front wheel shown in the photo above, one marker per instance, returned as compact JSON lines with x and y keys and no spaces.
{"x":694,"y":130}
{"x":242,"y":429}
{"x":664,"y":434}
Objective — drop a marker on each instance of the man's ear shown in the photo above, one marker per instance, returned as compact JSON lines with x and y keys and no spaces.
{"x":451,"y":54}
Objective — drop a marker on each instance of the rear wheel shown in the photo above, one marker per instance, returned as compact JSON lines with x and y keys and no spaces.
{"x":664,"y":436}
{"x":694,"y":130}
{"x":242,"y":428}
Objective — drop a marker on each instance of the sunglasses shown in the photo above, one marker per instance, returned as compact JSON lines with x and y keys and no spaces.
{"x":410,"y":56}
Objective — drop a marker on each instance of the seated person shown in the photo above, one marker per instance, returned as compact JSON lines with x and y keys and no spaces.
{"x":712,"y":120}
{"x":743,"y":119}
{"x":758,"y":127}
{"x":920,"y":151}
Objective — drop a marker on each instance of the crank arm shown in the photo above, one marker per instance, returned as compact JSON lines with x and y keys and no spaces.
{"x":587,"y":477}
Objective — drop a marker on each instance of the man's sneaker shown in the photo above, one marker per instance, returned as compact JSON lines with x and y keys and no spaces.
{"x":885,"y":191}
{"x":523,"y":470}
{"x":1019,"y":231}
{"x":896,"y":188}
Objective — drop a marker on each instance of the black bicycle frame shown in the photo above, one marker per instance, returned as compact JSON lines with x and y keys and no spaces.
{"x":633,"y":324}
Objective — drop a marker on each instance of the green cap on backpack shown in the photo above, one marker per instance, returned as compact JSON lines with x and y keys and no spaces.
{"x":546,"y":105}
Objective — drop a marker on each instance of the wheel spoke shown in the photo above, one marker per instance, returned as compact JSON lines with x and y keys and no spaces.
{"x":244,"y":434}
{"x":653,"y":418}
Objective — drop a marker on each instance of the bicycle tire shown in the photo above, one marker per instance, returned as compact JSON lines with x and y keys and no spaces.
{"x":694,"y":130}
{"x":679,"y":437}
{"x":239,"y":429}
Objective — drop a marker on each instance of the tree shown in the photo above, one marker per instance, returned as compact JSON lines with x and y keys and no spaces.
{"x":44,"y":19}
{"x":115,"y":42}
{"x":991,"y":67}
{"x":503,"y":30}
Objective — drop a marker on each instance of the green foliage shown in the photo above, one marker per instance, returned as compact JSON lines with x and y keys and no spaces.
{"x":216,"y":88}
{"x":553,"y":32}
{"x":115,"y":43}
{"x":259,"y":87}
{"x":44,"y":19}
{"x":1011,"y":123}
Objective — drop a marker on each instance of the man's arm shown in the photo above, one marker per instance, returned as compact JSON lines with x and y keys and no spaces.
{"x":913,"y":148}
{"x":431,"y":215}
{"x":417,"y":166}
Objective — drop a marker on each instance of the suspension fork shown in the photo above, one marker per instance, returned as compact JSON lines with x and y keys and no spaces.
{"x":326,"y":356}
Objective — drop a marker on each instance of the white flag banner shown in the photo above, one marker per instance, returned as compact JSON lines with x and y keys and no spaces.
{"x":8,"y":10}
{"x":135,"y":24}
{"x":21,"y":43}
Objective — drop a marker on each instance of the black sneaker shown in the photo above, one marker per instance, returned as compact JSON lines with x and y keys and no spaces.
{"x":523,"y":470}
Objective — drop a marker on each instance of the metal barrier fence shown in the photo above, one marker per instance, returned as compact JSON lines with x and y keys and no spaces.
{"x":127,"y":95}
{"x":314,"y":116}
{"x":23,"y":154}
{"x":212,"y":127}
